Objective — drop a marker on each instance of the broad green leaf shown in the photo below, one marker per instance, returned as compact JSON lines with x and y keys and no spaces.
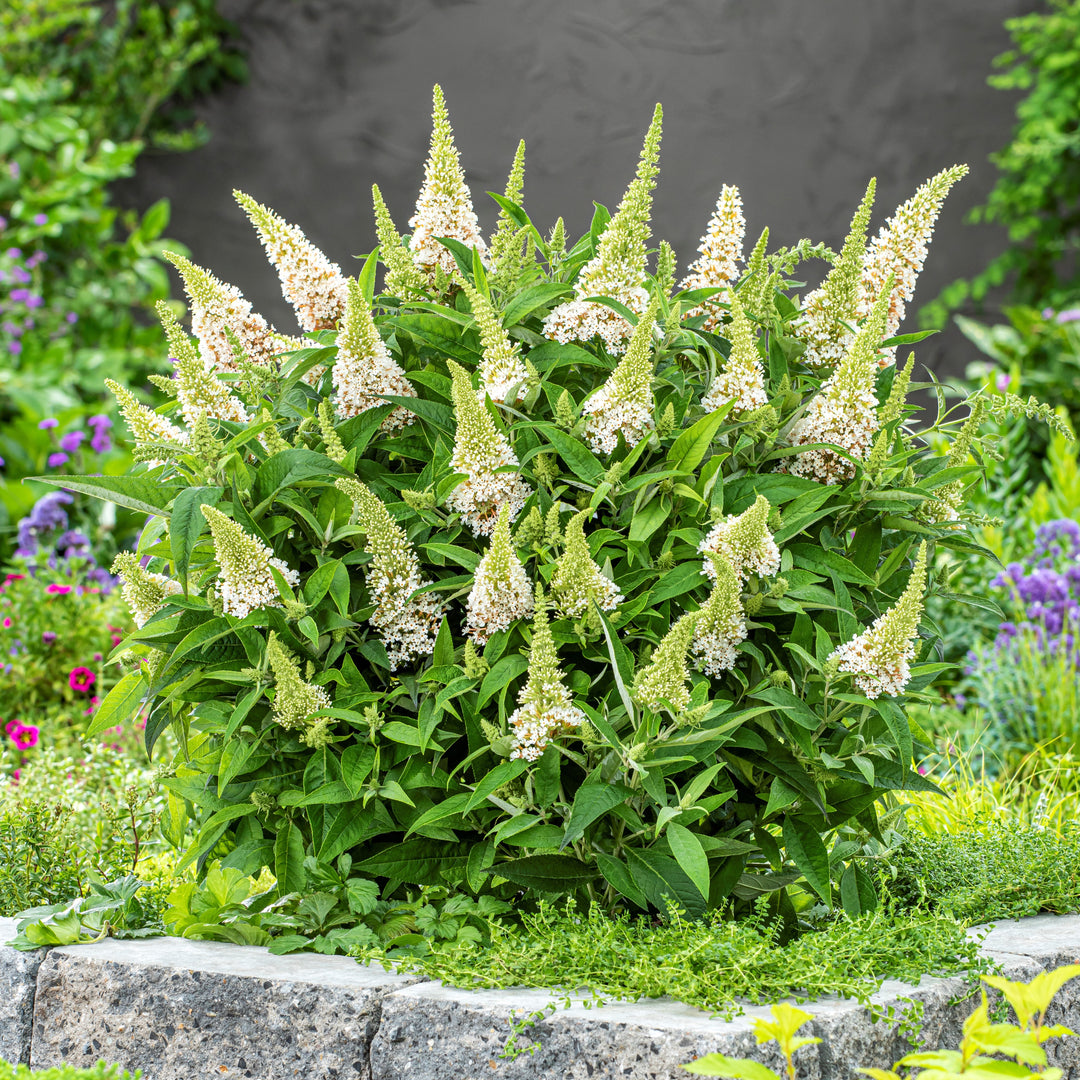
{"x":186,"y":525}
{"x":289,"y":859}
{"x":690,"y":448}
{"x":807,"y":851}
{"x":591,"y":802}
{"x":134,"y":492}
{"x":120,"y":704}
{"x":545,"y":873}
{"x":690,"y":855}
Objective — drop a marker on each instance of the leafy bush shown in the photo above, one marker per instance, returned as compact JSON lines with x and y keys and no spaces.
{"x":724,"y":475}
{"x":1037,"y":193}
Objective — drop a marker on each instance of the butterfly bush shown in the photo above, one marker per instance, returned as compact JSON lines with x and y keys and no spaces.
{"x":525,"y":569}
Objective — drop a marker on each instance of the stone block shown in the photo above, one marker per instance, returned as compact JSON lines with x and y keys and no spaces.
{"x":18,"y":977}
{"x":182,"y":1009}
{"x":434,"y":1032}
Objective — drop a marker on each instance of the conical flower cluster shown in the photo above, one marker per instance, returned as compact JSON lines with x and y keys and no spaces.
{"x":721,"y":251}
{"x":145,"y":425}
{"x":666,"y":678}
{"x":479,"y":449}
{"x":899,"y":250}
{"x":198,"y":391}
{"x":295,"y":701}
{"x":143,"y":591}
{"x":624,"y":404}
{"x":745,"y":542}
{"x":617,"y":270}
{"x":403,"y":277}
{"x":503,"y":375}
{"x":578,"y":581}
{"x":501,"y":593}
{"x":309,"y":280}
{"x":742,"y":380}
{"x":444,"y":207}
{"x":831,"y":311}
{"x":406,"y":623}
{"x":844,"y":411}
{"x":506,"y":243}
{"x":720,"y":625}
{"x":879,"y":659}
{"x":545,"y":707}
{"x":245,"y":567}
{"x":364,"y":368}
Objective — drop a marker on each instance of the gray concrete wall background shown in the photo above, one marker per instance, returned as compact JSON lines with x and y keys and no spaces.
{"x":797,"y":102}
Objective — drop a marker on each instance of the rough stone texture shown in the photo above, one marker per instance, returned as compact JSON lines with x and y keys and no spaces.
{"x":433,"y":1032}
{"x":18,"y":973}
{"x":182,"y":1009}
{"x":799,"y":104}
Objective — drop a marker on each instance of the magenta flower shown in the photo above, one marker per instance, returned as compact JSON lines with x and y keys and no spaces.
{"x":7,"y":623}
{"x":26,"y":737}
{"x":48,"y":637}
{"x":81,"y":679}
{"x":48,"y":422}
{"x":11,"y":727}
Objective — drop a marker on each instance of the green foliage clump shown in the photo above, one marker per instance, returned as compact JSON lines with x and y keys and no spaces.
{"x":716,"y":964}
{"x":504,"y":708}
{"x":1038,"y":190}
{"x":991,"y":870}
{"x":100,"y":1071}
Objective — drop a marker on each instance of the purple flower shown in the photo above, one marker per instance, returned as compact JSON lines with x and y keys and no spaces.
{"x":13,"y":170}
{"x":54,"y":461}
{"x":14,"y":253}
{"x":34,"y":301}
{"x":41,"y":219}
{"x":1069,"y":315}
{"x":1047,"y":312}
{"x":48,"y":637}
{"x":101,"y":443}
{"x":71,"y":441}
{"x":15,"y":347}
{"x":48,"y":422}
{"x":1,"y":462}
{"x":19,"y":296}
{"x":21,"y":276}
{"x":71,"y":317}
{"x":100,"y":422}
{"x":1002,"y":381}
{"x":3,"y":223}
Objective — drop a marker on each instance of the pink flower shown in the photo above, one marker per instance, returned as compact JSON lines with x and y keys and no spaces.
{"x":14,"y":577}
{"x":11,"y":727}
{"x":7,"y":622}
{"x":58,"y":590}
{"x":93,"y":706}
{"x":81,"y":679}
{"x":26,"y":737}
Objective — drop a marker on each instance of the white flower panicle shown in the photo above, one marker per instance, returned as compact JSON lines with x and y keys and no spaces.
{"x":624,"y":404}
{"x":219,"y":310}
{"x":501,"y":592}
{"x":721,"y":624}
{"x":742,"y":380}
{"x":245,"y":567}
{"x":827,"y":322}
{"x":479,"y":450}
{"x":546,"y":709}
{"x":844,"y":412}
{"x":578,"y":581}
{"x":198,"y":390}
{"x":879,"y":659}
{"x":899,"y":250}
{"x":145,"y":425}
{"x":407,"y":623}
{"x":295,"y":701}
{"x":503,"y":375}
{"x":617,"y":270}
{"x":665,"y":679}
{"x":444,"y":207}
{"x":313,"y":284}
{"x":721,"y":251}
{"x":143,"y":591}
{"x":745,"y":542}
{"x":364,"y":369}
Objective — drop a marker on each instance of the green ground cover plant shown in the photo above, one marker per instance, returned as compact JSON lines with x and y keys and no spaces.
{"x":100,"y":1071}
{"x":663,"y":519}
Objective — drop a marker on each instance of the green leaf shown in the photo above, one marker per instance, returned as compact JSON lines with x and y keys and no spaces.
{"x":529,"y":300}
{"x":289,"y":859}
{"x":591,"y":802}
{"x":187,"y":523}
{"x":418,"y":861}
{"x":579,"y":459}
{"x":291,"y":467}
{"x":857,"y":891}
{"x":501,"y":774}
{"x":120,"y":704}
{"x":690,"y":855}
{"x":617,"y":875}
{"x":134,"y":492}
{"x":546,"y":873}
{"x":690,"y":448}
{"x":683,"y":579}
{"x":732,"y":1068}
{"x":807,"y":850}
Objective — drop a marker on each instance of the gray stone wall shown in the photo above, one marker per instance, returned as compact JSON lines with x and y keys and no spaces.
{"x":798,"y":103}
